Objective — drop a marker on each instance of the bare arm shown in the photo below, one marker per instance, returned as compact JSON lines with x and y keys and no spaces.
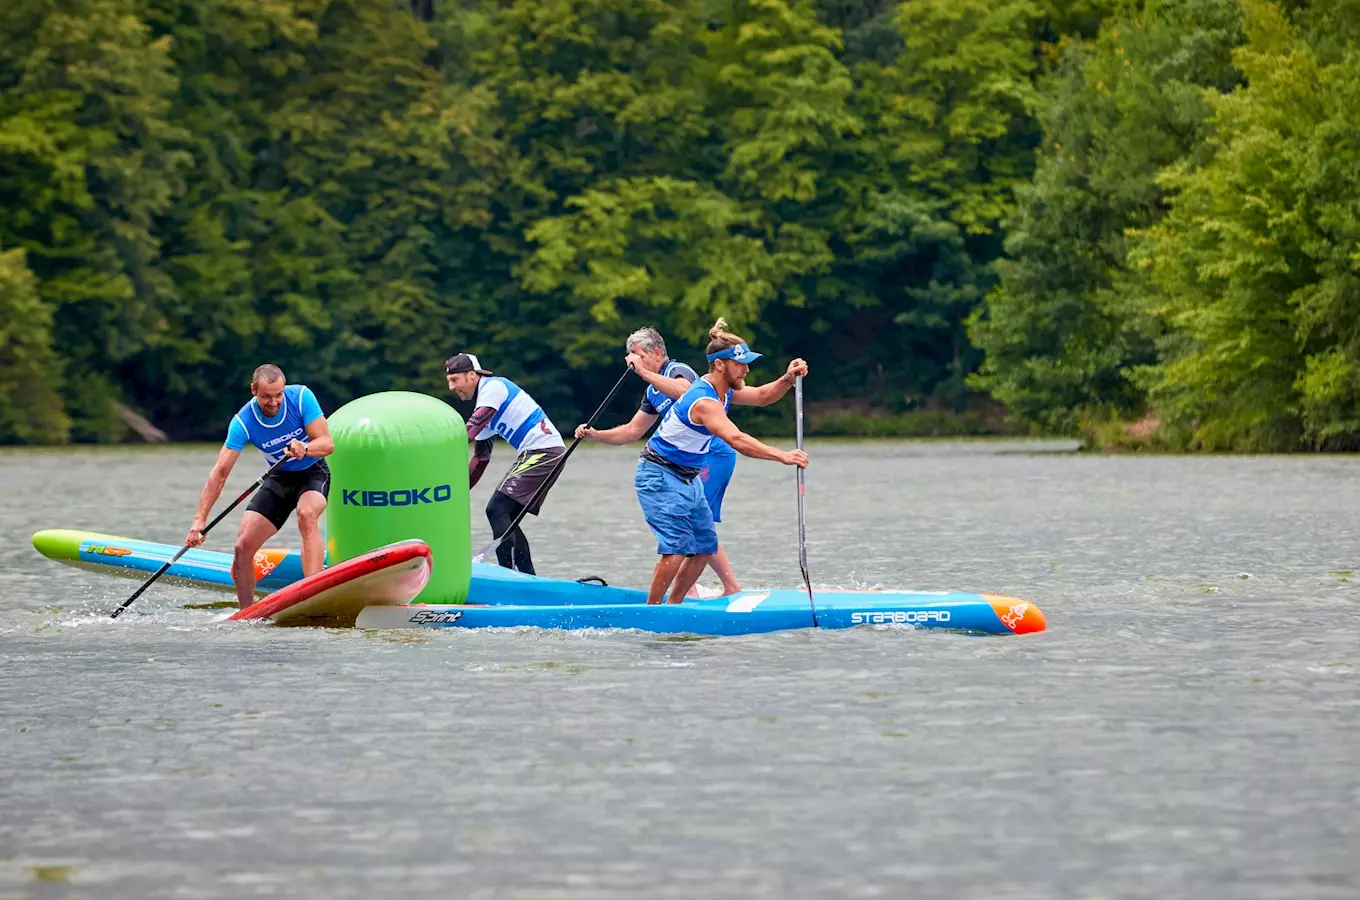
{"x":217,"y":479}
{"x":672,"y":387}
{"x":630,"y":431}
{"x":319,"y":441}
{"x":772,"y":391}
{"x":710,"y":414}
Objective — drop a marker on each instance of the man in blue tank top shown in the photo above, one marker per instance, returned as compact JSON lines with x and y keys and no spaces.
{"x":666,"y":479}
{"x":283,"y":420}
{"x":504,"y":410}
{"x":667,"y":380}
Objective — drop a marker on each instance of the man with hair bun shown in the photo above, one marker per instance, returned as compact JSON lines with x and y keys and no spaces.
{"x":667,"y":380}
{"x":666,"y":479}
{"x":283,"y":420}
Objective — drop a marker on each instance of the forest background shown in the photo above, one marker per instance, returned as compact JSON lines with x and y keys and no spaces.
{"x":1135,"y":222}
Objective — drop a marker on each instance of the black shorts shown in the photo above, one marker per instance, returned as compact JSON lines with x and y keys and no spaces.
{"x":279,"y":493}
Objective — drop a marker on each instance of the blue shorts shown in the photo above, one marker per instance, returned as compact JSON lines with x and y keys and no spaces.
{"x":715,"y":476}
{"x":676,"y":512}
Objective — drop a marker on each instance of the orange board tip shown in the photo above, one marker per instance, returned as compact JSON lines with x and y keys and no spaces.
{"x":1020,"y":616}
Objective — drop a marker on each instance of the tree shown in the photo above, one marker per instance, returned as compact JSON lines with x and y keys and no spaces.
{"x":88,"y":160}
{"x":1065,"y":330}
{"x":1257,"y":264}
{"x":30,"y":374}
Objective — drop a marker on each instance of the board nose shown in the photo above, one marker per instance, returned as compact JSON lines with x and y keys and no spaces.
{"x":1020,"y":616}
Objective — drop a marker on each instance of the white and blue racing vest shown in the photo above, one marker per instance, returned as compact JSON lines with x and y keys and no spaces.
{"x":656,"y":403}
{"x":519,"y":420}
{"x":680,"y":440}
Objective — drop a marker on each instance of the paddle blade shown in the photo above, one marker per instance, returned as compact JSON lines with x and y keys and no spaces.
{"x":485,"y":553}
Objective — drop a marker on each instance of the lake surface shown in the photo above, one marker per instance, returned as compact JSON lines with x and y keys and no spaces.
{"x":1188,"y":727}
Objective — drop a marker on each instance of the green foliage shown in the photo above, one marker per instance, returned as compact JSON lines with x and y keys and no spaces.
{"x":721,"y":230}
{"x":1065,"y":330}
{"x":1088,"y":208}
{"x":30,"y":406}
{"x":1258,"y":262}
{"x":88,"y":160}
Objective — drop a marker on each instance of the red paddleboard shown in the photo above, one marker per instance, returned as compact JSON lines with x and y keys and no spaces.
{"x":389,"y":576}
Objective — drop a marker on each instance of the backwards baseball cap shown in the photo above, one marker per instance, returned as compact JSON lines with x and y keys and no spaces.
{"x":464,"y":362}
{"x":740,"y":353}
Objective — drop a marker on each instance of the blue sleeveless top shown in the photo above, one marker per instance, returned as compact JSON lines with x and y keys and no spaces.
{"x":680,"y":440}
{"x":655,"y":403}
{"x":250,"y":426}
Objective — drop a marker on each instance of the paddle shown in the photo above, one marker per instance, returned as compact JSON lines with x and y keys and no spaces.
{"x":182,"y":550}
{"x":802,"y":528}
{"x":561,"y":461}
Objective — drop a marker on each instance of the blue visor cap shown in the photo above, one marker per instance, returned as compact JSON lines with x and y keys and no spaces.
{"x":740,"y":353}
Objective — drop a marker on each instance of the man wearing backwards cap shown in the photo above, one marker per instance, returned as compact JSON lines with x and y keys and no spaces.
{"x":666,"y":479}
{"x":502,"y":409}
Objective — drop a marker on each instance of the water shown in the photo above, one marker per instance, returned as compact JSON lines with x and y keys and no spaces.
{"x":1188,"y":726}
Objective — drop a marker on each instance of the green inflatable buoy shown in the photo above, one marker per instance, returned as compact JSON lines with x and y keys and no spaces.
{"x":399,"y":471}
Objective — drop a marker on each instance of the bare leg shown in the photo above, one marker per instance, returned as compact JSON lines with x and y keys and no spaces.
{"x":309,"y":509}
{"x":723,"y":569}
{"x":254,"y":531}
{"x":688,"y":574}
{"x":666,"y":567}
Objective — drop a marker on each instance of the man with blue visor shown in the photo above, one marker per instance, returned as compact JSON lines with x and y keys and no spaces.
{"x":667,"y":476}
{"x":667,"y":380}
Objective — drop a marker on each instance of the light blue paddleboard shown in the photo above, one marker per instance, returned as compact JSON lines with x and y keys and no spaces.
{"x":749,"y":612}
{"x":501,"y":598}
{"x":275,"y":569}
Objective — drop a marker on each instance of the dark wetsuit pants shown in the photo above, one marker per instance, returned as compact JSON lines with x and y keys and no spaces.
{"x":513,"y":552}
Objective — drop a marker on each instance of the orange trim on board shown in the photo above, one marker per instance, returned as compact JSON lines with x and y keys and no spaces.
{"x":1020,"y":616}
{"x":267,"y":561}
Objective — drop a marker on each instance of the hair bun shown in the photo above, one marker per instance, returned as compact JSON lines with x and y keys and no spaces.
{"x":718,"y":328}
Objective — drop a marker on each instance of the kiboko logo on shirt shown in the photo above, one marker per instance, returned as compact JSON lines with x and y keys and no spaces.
{"x":400,"y":497}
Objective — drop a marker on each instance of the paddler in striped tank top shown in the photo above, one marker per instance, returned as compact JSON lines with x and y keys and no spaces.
{"x":667,"y":380}
{"x":666,"y":479}
{"x":506,"y":411}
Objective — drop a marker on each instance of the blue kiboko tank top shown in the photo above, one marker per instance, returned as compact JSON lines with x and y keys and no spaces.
{"x":249,"y":426}
{"x":680,"y":440}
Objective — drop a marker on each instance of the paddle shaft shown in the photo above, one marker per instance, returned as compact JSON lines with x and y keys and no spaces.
{"x":547,"y":482}
{"x":209,"y":527}
{"x":802,"y":519}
